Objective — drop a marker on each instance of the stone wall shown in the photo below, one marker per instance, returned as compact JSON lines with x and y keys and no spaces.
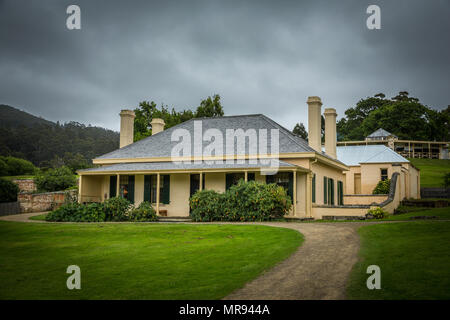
{"x":25,"y":185}
{"x":39,"y":202}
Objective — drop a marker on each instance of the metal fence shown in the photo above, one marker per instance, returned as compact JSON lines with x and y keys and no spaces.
{"x":7,"y":208}
{"x":435,"y":193}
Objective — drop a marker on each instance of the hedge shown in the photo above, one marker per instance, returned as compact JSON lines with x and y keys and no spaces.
{"x":114,"y":209}
{"x":8,"y":191}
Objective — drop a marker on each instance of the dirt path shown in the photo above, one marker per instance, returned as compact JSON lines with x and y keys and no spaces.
{"x":23,"y":217}
{"x":319,"y":269}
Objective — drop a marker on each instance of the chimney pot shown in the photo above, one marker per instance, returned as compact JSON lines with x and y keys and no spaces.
{"x":126,"y":127}
{"x":157,"y":125}
{"x":314,"y":123}
{"x":330,"y":132}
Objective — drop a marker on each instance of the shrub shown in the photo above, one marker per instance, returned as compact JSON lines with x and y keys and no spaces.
{"x":376,"y":213}
{"x":246,"y":201}
{"x":144,"y":212}
{"x":114,"y":209}
{"x":55,"y":179}
{"x":3,"y":167}
{"x":8,"y":191}
{"x":255,"y":201}
{"x":447,"y":180}
{"x":15,"y":166}
{"x":383,"y":187}
{"x":206,"y":205}
{"x":117,"y":209}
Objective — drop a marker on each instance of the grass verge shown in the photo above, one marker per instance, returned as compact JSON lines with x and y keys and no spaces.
{"x":414,"y":259}
{"x":137,"y":261}
{"x":431,"y":171}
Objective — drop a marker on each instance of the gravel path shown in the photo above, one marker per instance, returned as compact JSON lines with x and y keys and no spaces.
{"x":22,"y":217}
{"x":319,"y":269}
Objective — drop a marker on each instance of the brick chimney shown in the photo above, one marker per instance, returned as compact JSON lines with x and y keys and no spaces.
{"x":314,"y":123}
{"x":330,"y":132}
{"x":157,"y":125}
{"x":126,"y":127}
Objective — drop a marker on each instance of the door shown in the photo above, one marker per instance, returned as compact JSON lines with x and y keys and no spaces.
{"x":195,"y":183}
{"x":112,"y":186}
{"x":357,"y":183}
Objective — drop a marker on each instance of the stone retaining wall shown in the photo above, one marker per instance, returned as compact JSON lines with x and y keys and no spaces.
{"x":38,"y":202}
{"x":25,"y":185}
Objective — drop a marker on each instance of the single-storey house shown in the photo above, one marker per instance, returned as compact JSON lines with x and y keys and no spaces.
{"x":167,"y":167}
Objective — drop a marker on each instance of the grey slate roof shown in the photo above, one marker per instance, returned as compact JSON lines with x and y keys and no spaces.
{"x":354,"y":155}
{"x":157,"y":166}
{"x":380,"y":133}
{"x":160,"y":145}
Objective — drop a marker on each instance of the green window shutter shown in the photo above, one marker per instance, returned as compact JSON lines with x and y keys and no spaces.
{"x":314,"y":188}
{"x":342,"y":193}
{"x":332,"y":192}
{"x":131,"y":189}
{"x":147,"y":183}
{"x":290,"y":190}
{"x":165,"y":194}
{"x":325,"y":193}
{"x":112,"y":186}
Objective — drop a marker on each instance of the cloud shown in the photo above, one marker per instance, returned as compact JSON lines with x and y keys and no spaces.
{"x":260,"y":56}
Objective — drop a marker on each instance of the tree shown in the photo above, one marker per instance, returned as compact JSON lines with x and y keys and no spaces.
{"x":8,"y":191}
{"x":55,"y":179}
{"x":209,"y":107}
{"x":300,"y":131}
{"x":401,"y":115}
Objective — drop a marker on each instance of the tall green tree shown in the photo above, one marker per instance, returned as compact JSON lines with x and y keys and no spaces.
{"x":209,"y":107}
{"x":402,"y":115}
{"x":300,"y":131}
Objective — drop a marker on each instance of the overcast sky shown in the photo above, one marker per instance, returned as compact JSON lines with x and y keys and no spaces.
{"x":260,"y":56}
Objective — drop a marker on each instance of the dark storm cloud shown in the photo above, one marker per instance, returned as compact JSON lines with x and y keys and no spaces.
{"x":261,"y":56}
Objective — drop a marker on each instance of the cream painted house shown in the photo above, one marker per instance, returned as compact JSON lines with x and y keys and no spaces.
{"x":148,"y":170}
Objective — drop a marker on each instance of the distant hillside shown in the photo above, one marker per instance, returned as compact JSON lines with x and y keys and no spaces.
{"x":41,"y":141}
{"x":12,"y":117}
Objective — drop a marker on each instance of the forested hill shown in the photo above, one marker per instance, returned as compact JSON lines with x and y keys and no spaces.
{"x":41,"y":141}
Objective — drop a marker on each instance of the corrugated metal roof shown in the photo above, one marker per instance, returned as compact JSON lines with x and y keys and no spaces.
{"x":354,"y":155}
{"x":160,"y":144}
{"x":380,"y":133}
{"x":157,"y":166}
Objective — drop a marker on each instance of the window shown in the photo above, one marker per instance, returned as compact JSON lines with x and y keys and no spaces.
{"x":126,"y":187}
{"x":340,"y":191}
{"x":250,"y":176}
{"x":233,"y":178}
{"x":384,"y":174}
{"x":314,"y":188}
{"x":283,"y":179}
{"x":150,"y":187}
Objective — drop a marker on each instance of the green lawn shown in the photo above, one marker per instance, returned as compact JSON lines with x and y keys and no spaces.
{"x":137,"y":261}
{"x":10,"y":178}
{"x":414,"y":259}
{"x":40,"y":217}
{"x":431,"y":171}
